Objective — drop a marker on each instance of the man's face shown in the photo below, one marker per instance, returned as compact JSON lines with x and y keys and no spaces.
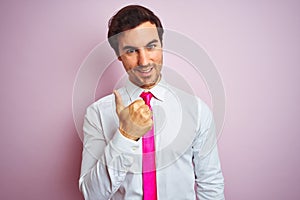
{"x":141,"y":54}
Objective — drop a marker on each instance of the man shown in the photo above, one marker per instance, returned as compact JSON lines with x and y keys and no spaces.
{"x":147,"y":141}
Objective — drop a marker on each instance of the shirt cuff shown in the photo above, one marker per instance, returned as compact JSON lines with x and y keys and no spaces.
{"x":123,"y":144}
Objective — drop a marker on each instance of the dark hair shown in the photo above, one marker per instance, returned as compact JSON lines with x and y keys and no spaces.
{"x":128,"y":18}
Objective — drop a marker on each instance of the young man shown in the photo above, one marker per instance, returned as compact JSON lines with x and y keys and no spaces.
{"x":146,"y":141}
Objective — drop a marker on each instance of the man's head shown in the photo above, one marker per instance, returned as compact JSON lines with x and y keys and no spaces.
{"x":135,"y":34}
{"x":128,"y":18}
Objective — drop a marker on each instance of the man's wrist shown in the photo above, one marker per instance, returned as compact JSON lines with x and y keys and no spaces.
{"x":125,"y":134}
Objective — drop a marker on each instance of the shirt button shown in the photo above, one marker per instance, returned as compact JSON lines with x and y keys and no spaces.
{"x":133,"y":148}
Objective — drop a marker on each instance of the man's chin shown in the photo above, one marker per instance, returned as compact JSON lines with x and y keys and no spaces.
{"x":149,"y":84}
{"x":145,"y":85}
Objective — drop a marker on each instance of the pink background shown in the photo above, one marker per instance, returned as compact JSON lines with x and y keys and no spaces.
{"x":255,"y":47}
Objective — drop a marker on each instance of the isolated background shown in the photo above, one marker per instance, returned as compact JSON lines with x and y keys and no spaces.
{"x":254,"y":44}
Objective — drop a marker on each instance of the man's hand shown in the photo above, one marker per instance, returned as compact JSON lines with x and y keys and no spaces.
{"x":135,"y":120}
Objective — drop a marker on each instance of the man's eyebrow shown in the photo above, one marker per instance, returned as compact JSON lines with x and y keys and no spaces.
{"x":132,"y":47}
{"x":153,"y":41}
{"x":129,"y":47}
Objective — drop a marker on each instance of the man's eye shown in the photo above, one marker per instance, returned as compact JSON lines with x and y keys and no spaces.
{"x":131,"y":50}
{"x":151,"y":46}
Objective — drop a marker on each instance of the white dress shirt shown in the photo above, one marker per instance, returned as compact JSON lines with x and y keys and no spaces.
{"x":187,"y":162}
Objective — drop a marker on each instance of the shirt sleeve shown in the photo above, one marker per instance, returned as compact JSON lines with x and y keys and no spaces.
{"x":104,"y":163}
{"x":208,"y":174}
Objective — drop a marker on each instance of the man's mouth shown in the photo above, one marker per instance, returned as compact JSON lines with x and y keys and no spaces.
{"x":144,"y":72}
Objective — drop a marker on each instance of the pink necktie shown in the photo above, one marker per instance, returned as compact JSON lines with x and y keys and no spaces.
{"x":149,"y":173}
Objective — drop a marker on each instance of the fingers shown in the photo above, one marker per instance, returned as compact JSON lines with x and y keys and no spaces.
{"x":134,"y":106}
{"x":119,"y":102}
{"x":149,"y":123}
{"x":142,"y":115}
{"x":145,"y":112}
{"x":139,"y":112}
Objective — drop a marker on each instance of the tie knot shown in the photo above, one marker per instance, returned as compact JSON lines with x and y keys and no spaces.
{"x":146,"y":96}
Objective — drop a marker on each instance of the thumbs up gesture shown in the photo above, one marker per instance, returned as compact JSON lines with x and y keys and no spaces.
{"x":134,"y":120}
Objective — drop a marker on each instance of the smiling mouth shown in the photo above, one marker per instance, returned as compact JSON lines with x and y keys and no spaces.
{"x":144,"y":72}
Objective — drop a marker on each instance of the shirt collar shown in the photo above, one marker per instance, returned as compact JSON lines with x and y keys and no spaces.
{"x":159,"y":91}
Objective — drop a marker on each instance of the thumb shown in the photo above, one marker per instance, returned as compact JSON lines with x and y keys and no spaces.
{"x":119,"y":103}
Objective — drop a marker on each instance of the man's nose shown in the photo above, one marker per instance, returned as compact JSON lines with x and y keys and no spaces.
{"x":143,"y":59}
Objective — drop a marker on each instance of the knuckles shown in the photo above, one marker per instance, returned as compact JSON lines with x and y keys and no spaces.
{"x":139,"y":110}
